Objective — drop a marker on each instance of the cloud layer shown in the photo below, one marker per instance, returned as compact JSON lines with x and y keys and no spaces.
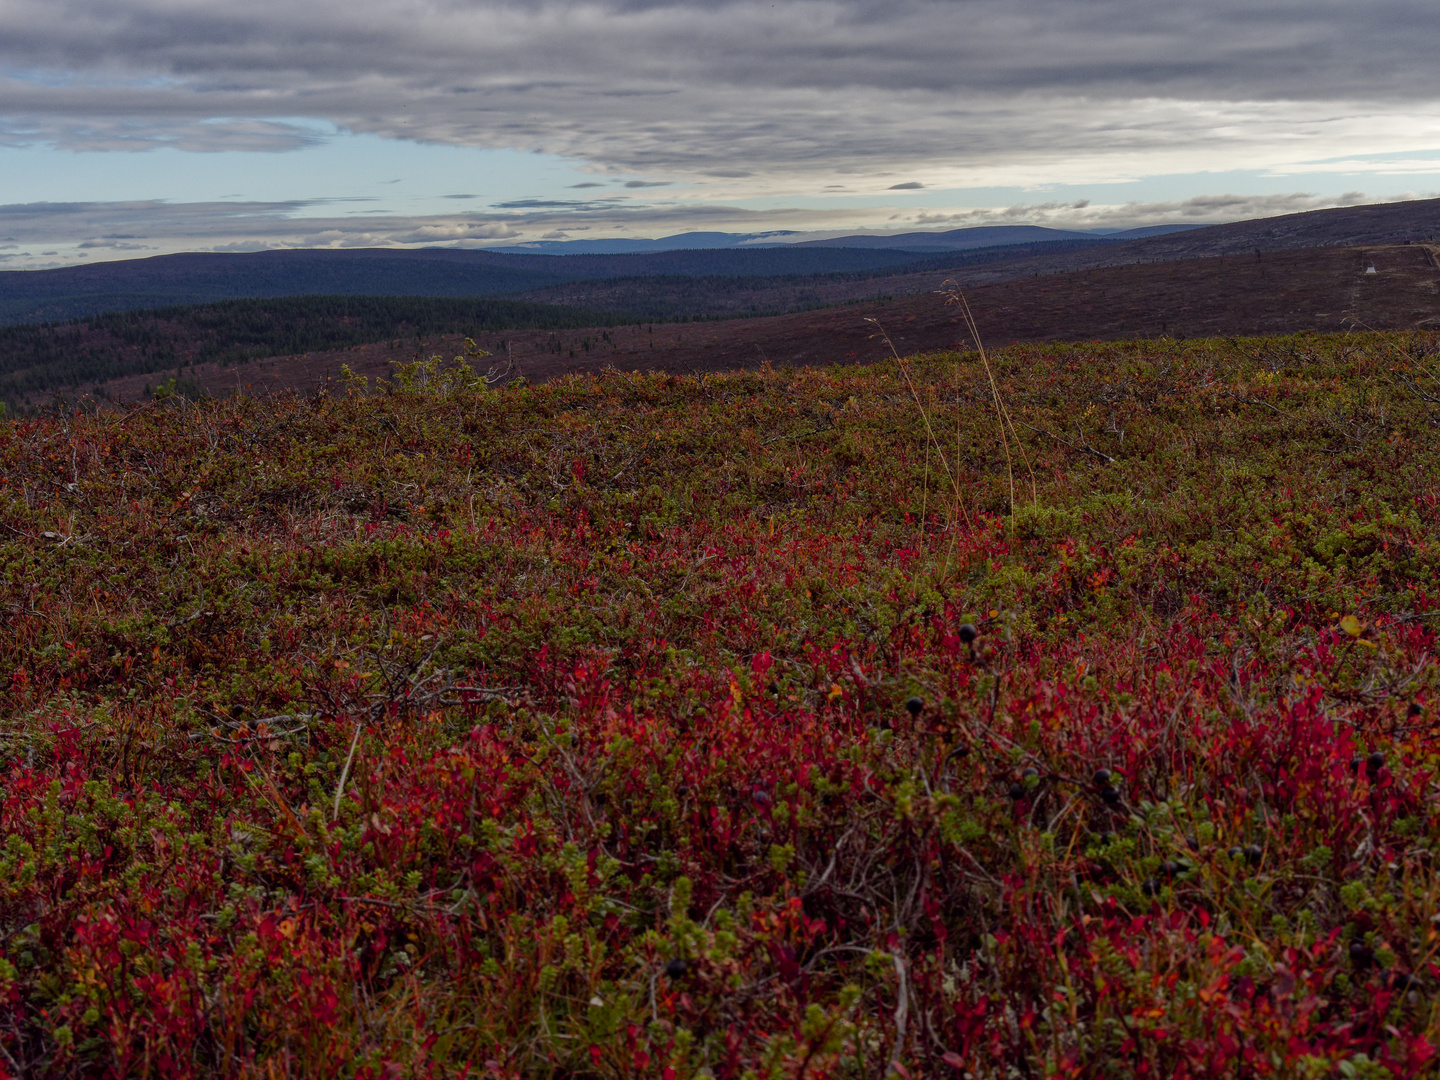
{"x":759,"y":97}
{"x":130,"y":229}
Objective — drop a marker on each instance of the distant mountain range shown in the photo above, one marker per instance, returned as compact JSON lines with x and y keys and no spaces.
{"x":28,"y":296}
{"x":978,"y":236}
{"x":690,"y":241}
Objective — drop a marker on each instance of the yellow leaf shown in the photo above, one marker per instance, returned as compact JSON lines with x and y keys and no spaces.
{"x":1350,"y":625}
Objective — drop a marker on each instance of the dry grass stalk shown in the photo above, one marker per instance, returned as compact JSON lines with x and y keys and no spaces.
{"x":950,"y":474}
{"x":1004,"y":421}
{"x":953,"y":295}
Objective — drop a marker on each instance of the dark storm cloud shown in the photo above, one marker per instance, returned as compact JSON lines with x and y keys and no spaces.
{"x":699,"y":88}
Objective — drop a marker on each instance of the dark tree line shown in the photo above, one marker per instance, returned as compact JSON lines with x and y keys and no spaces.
{"x":36,"y":358}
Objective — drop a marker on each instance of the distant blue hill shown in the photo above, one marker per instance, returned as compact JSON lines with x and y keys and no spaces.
{"x":978,"y":236}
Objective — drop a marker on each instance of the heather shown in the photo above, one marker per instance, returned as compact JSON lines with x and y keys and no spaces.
{"x":793,"y":722}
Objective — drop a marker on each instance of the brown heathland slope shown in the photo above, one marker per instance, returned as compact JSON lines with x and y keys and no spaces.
{"x":1277,"y":292}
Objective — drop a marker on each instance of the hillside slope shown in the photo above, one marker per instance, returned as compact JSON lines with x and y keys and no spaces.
{"x":1324,"y":289}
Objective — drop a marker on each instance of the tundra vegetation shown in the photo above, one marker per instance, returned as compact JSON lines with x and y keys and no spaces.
{"x":843,"y":722}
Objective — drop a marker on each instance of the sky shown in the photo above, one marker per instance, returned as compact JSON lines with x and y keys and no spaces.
{"x":142,"y":127}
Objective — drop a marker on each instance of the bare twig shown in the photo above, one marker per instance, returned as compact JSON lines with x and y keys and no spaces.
{"x":345,"y":772}
{"x":1251,"y":401}
{"x":800,"y":435}
{"x":902,"y":1014}
{"x":1085,"y":448}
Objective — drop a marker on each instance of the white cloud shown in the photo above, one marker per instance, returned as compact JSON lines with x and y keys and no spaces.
{"x":1409,"y":166}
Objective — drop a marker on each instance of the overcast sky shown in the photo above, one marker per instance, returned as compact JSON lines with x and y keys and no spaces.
{"x":143,"y":126}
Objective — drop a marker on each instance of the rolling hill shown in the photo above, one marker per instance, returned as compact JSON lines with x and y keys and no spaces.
{"x":1324,"y":289}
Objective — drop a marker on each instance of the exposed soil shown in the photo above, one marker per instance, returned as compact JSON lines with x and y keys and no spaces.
{"x":1274,"y":292}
